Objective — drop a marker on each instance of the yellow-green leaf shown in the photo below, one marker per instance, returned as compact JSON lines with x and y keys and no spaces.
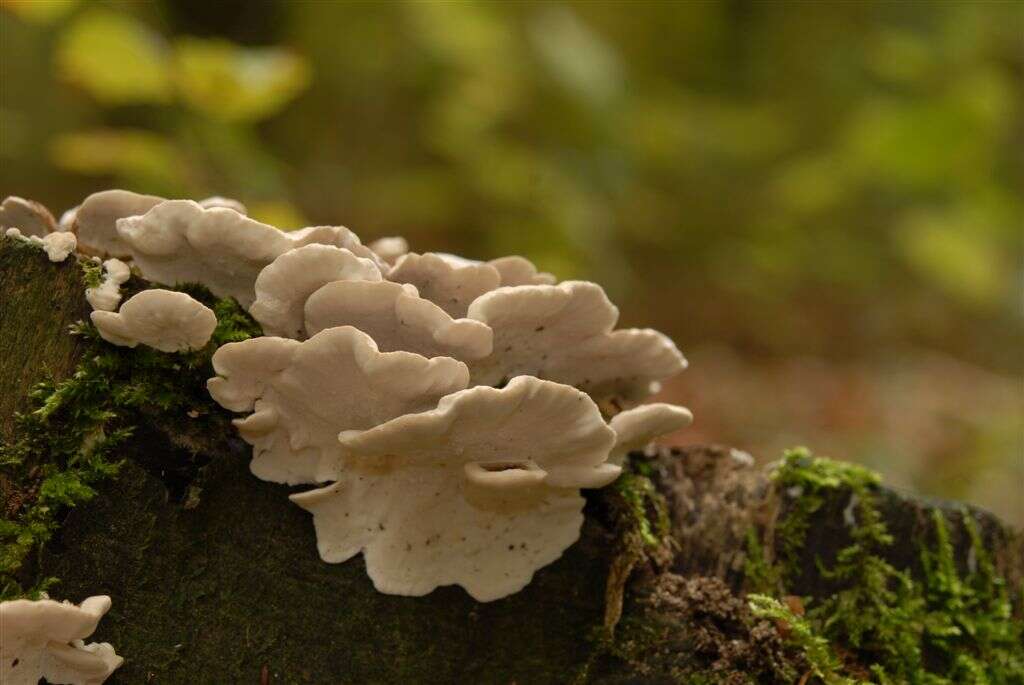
{"x":235,"y":83}
{"x":279,"y":213}
{"x":39,"y":11}
{"x":127,"y":152}
{"x":115,"y":58}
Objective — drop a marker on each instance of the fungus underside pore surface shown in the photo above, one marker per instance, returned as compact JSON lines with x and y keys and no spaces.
{"x":210,"y":569}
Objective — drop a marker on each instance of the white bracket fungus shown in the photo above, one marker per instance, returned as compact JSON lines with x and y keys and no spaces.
{"x":30,"y":217}
{"x":180,"y":242}
{"x":107,"y":294}
{"x":636,"y":428}
{"x":94,"y":221}
{"x":516,"y":270}
{"x":449,"y":284}
{"x":226,"y":202}
{"x":58,"y":246}
{"x":390,"y":248}
{"x":305,"y":393}
{"x":283,"y":287}
{"x":564,"y":333}
{"x":43,"y":639}
{"x":480,"y":492}
{"x":164,"y":319}
{"x":396,"y":317}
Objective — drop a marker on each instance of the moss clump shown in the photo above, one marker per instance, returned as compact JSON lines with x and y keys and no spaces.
{"x":92,"y":273}
{"x":64,"y":445}
{"x":947,"y":627}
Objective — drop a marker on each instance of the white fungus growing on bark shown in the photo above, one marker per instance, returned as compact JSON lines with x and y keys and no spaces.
{"x":95,"y":220}
{"x":480,"y":492}
{"x":450,"y":285}
{"x":28,"y":216}
{"x":180,"y":242}
{"x":304,"y":394}
{"x":44,"y":639}
{"x":107,"y":295}
{"x":448,"y":404}
{"x":166,"y":320}
{"x":397,"y":318}
{"x":283,"y":287}
{"x":565,"y":333}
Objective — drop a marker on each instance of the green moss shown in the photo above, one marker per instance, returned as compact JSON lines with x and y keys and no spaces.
{"x":65,"y":443}
{"x":802,"y":635}
{"x":645,"y":513}
{"x":92,"y":273}
{"x":944,"y":628}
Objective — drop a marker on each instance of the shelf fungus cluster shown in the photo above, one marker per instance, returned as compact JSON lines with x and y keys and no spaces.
{"x":446,"y":411}
{"x":45,"y":639}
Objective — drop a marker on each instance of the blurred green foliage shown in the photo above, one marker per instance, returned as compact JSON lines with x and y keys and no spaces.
{"x":834,"y":179}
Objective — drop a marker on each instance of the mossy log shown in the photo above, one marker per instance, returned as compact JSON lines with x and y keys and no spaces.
{"x":215,"y":576}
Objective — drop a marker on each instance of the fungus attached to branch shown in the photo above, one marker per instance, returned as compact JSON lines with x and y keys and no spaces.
{"x":480,"y":492}
{"x":397,"y":318}
{"x":226,"y":202}
{"x":564,"y":333}
{"x":57,"y":246}
{"x":283,"y":287}
{"x":180,"y":242}
{"x":28,"y":216}
{"x":163,"y":319}
{"x":44,"y":639}
{"x":516,"y":270}
{"x":391,"y":248}
{"x":451,"y":285}
{"x":107,"y":294}
{"x":95,"y":220}
{"x":636,"y":428}
{"x":304,"y":394}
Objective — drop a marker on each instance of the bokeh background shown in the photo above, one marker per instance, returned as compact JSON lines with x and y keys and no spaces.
{"x":821,"y":202}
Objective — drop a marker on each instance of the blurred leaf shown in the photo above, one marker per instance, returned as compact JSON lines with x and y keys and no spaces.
{"x":235,"y":83}
{"x":115,"y":58}
{"x":955,"y":255}
{"x":809,"y":185}
{"x":899,"y":55}
{"x":577,"y":57}
{"x":916,"y":144}
{"x":279,"y":213}
{"x":147,"y":157}
{"x":39,"y":11}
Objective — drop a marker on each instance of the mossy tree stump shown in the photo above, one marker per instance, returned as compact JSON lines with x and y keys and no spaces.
{"x":215,"y":576}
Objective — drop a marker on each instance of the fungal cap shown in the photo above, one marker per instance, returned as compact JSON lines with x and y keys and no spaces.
{"x":448,"y":496}
{"x":58,"y":246}
{"x":452,"y":285}
{"x":163,"y":319}
{"x":95,"y":220}
{"x":564,"y":333}
{"x":179,"y":241}
{"x":484,"y":424}
{"x":635,"y":428}
{"x":107,"y":295}
{"x":397,"y":318}
{"x":225,"y":202}
{"x":390,"y":248}
{"x":305,"y":393}
{"x":43,"y":639}
{"x":283,"y":287}
{"x":516,"y":270}
{"x":29,"y":216}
